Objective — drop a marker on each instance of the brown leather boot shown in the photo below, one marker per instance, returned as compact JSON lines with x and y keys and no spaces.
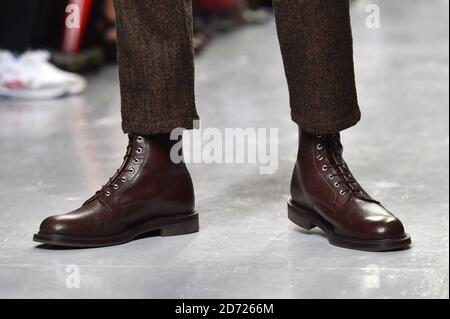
{"x":325,"y":194}
{"x":148,"y":193}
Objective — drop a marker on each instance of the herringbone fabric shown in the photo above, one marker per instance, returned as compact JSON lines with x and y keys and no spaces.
{"x":156,"y":64}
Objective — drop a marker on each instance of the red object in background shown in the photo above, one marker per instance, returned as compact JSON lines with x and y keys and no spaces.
{"x":215,"y":6}
{"x":73,"y":36}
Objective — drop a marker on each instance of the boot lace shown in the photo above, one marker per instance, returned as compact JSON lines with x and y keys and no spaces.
{"x":114,"y":180}
{"x":332,"y":149}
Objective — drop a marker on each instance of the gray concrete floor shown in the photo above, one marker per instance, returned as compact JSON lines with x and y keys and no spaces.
{"x":55,"y":154}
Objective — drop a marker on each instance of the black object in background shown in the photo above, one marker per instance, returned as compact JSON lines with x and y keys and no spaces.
{"x":18,"y":21}
{"x":26,"y":24}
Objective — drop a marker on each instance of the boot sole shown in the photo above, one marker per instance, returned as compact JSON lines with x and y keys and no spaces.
{"x":308,"y":219}
{"x":164,"y":227}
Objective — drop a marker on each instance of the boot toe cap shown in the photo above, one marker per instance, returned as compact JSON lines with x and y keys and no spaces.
{"x":388,"y":227}
{"x":370,"y":220}
{"x":58,"y":224}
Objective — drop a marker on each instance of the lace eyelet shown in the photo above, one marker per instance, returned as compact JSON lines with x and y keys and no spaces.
{"x":131,"y":170}
{"x":140,"y":150}
{"x":320,"y":157}
{"x":319,"y":147}
{"x":115,"y":186}
{"x":331,"y":176}
{"x":337,"y":184}
{"x":123,"y":179}
{"x":139,"y":139}
{"x":325,"y":168}
{"x":136,"y":161}
{"x":107,"y":193}
{"x":342,"y":193}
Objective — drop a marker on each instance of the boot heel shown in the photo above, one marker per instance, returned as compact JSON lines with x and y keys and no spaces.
{"x":298,"y":218}
{"x":181,"y":228}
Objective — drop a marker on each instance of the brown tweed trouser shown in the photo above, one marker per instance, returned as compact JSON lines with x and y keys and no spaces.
{"x":156,"y":64}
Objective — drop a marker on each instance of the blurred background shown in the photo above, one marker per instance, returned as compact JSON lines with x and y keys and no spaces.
{"x":34,"y":33}
{"x":60,"y":139}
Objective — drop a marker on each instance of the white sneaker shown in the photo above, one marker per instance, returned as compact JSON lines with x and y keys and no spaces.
{"x":38,"y":61}
{"x":31,"y":76}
